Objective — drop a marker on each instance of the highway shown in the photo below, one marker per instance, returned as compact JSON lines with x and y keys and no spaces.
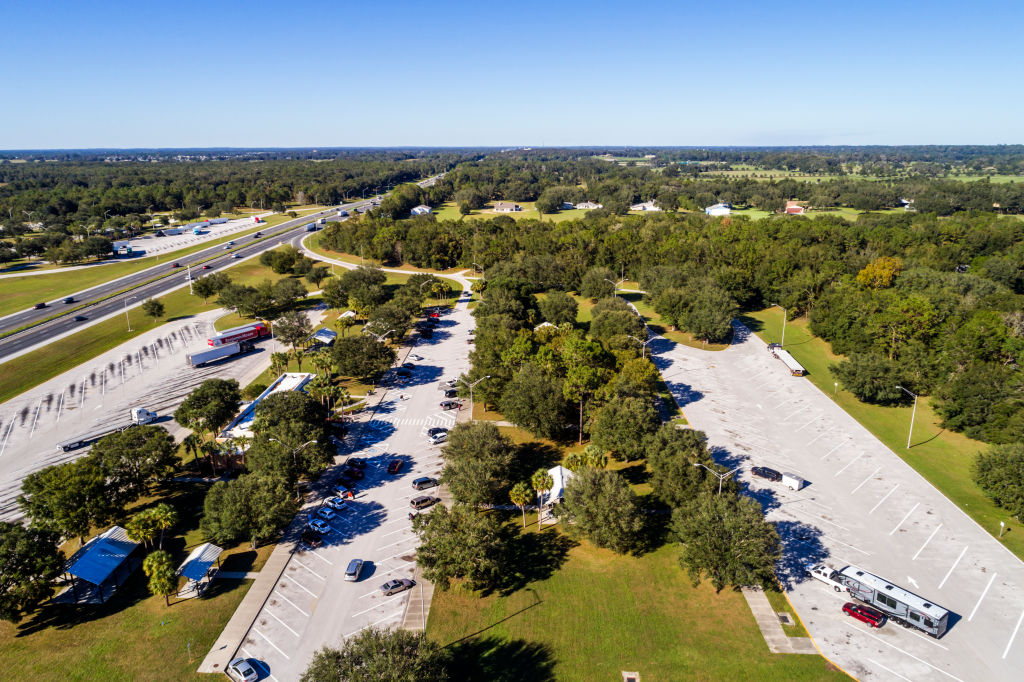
{"x":138,"y":287}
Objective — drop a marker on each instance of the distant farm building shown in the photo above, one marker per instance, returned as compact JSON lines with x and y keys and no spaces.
{"x":422,"y":209}
{"x":506,"y":207}
{"x":794,"y":208}
{"x":588,"y":205}
{"x":719,"y":209}
{"x":645,"y":206}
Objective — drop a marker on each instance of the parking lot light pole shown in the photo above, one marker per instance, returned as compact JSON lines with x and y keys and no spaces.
{"x":471,"y":385}
{"x":615,"y":286}
{"x":721,"y":477}
{"x":379,"y":337}
{"x":643,"y":344}
{"x":913,"y":413}
{"x":785,"y":314}
{"x":130,"y":298}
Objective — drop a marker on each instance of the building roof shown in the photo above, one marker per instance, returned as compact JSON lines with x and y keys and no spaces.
{"x":199,"y":561}
{"x":242,"y":424}
{"x":559,"y":477}
{"x":324,"y":336}
{"x":498,"y":205}
{"x":422,"y":208}
{"x":101,"y":556}
{"x":644,"y":206}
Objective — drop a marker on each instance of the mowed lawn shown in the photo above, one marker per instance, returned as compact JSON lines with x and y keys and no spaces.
{"x":601,"y":614}
{"x":450,"y":211}
{"x":943,"y":457}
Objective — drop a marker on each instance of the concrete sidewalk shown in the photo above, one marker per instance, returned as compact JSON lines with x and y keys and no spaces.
{"x":771,"y":629}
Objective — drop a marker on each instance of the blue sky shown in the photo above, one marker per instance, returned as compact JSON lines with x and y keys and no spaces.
{"x":203,"y":74}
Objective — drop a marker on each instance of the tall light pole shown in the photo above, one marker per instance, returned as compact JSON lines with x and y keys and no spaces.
{"x":471,"y":385}
{"x":913,"y":413}
{"x":615,"y":286}
{"x":721,"y":477}
{"x":130,"y":298}
{"x":643,"y":344}
{"x":379,"y":337}
{"x":188,"y":267}
{"x":785,"y":314}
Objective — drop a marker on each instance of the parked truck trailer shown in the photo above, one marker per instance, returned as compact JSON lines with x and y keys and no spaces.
{"x":248,"y":332}
{"x":794,"y":367}
{"x":136,"y":415}
{"x":209,"y":355}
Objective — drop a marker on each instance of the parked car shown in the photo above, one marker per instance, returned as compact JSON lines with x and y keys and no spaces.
{"x":356,"y":463}
{"x":226,"y":247}
{"x":449,"y":404}
{"x":864,"y":614}
{"x":451,"y":393}
{"x":69,"y":299}
{"x":438,"y":438}
{"x":335,"y":503}
{"x":765,"y":472}
{"x":426,"y":333}
{"x":404,"y":373}
{"x":343,"y":485}
{"x":355,"y":567}
{"x":354,"y":474}
{"x":394,"y":466}
{"x":311,"y":538}
{"x":39,"y":306}
{"x":326,"y":513}
{"x":416,"y":358}
{"x":423,"y":501}
{"x":434,"y":430}
{"x":395,"y":586}
{"x":80,"y":318}
{"x":424,"y":482}
{"x":241,"y":670}
{"x":320,"y":526}
{"x":408,"y":365}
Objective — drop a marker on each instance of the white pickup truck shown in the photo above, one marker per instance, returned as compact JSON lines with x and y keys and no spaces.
{"x":827,"y":575}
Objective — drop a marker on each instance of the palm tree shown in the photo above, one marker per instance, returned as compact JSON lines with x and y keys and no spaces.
{"x":162,"y":580}
{"x":343,"y":323}
{"x":297,"y":355}
{"x":191,"y":444}
{"x":322,"y":362}
{"x":278,"y":363}
{"x":164,"y":516}
{"x":140,"y":528}
{"x":339,"y":394}
{"x":542,"y":482}
{"x":595,"y":457}
{"x":318,"y":388}
{"x":520,"y":496}
{"x":575,"y":461}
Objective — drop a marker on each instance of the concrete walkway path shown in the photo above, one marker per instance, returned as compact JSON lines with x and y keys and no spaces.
{"x":771,"y":629}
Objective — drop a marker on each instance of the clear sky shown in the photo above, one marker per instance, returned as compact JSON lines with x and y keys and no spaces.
{"x":448,"y":73}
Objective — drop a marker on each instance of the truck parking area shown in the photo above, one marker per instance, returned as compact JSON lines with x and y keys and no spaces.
{"x":862,"y":506}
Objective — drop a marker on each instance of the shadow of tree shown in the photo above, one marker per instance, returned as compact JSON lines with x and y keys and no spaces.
{"x":533,"y":455}
{"x":535,"y":556}
{"x":802,"y":545}
{"x":493,"y":659}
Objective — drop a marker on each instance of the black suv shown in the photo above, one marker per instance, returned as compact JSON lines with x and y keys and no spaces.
{"x":765,"y":472}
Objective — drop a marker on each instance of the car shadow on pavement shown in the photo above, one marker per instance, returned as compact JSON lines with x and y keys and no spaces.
{"x":801,"y":546}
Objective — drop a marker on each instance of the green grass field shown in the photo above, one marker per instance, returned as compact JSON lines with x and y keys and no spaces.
{"x":601,"y":613}
{"x":21,"y":293}
{"x":943,"y":457}
{"x":450,"y":211}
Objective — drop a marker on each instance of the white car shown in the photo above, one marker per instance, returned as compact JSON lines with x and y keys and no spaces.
{"x":240,"y":669}
{"x":320,"y":526}
{"x":326,"y":513}
{"x":335,"y":503}
{"x":438,"y":438}
{"x":416,"y":358}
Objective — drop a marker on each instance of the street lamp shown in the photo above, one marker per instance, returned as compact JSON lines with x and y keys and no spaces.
{"x":471,"y":385}
{"x":615,"y":285}
{"x":130,"y":298}
{"x":913,"y":413}
{"x":721,"y":477}
{"x":379,"y":337}
{"x":643,"y":344}
{"x":785,"y":313}
{"x":188,"y":266}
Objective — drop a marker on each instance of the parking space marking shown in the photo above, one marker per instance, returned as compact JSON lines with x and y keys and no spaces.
{"x":926,"y":542}
{"x":847,"y":545}
{"x":271,"y":643}
{"x":906,"y":653}
{"x":328,"y":562}
{"x":884,"y":498}
{"x":904,"y":519}
{"x":793,"y":414}
{"x":891,"y":672}
{"x":1014,"y":635}
{"x":308,"y":569}
{"x":832,"y":450}
{"x":807,"y":424}
{"x":311,"y":594}
{"x":822,"y":518}
{"x":950,"y":571}
{"x":275,"y":592}
{"x":400,"y":530}
{"x":983,"y":593}
{"x":366,"y":627}
{"x":258,"y":664}
{"x":411,"y":537}
{"x":397,"y":597}
{"x":850,"y":463}
{"x":817,"y":437}
{"x":271,"y":614}
{"x":870,"y":476}
{"x":396,"y":556}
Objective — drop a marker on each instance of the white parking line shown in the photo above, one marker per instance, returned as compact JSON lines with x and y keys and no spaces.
{"x":983,"y":593}
{"x":308,"y":569}
{"x":271,"y":614}
{"x":411,"y":537}
{"x":1014,"y":635}
{"x":891,"y":672}
{"x":397,"y":597}
{"x":329,"y":563}
{"x":864,"y":632}
{"x":884,"y":498}
{"x":870,"y":476}
{"x":365,"y":627}
{"x":297,"y":608}
{"x":400,"y":530}
{"x":897,"y":526}
{"x":807,"y":424}
{"x":962,"y":552}
{"x":396,"y":556}
{"x":849,"y":464}
{"x":817,"y":437}
{"x":293,"y":580}
{"x":832,"y":450}
{"x":793,"y":414}
{"x":847,"y":544}
{"x":270,"y":643}
{"x":926,"y":542}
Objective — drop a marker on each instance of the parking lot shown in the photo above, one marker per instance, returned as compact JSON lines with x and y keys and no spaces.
{"x":862,"y":506}
{"x":312,"y":605}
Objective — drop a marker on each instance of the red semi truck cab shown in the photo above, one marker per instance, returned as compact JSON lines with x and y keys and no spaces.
{"x":256,"y":330}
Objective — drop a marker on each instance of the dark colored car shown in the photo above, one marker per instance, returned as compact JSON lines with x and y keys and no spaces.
{"x":394,"y":466}
{"x":424,"y":482}
{"x":451,"y":394}
{"x":408,"y":365}
{"x":344,"y":483}
{"x":39,"y":306}
{"x":765,"y":472}
{"x":434,"y":430}
{"x":864,"y":614}
{"x":404,"y":373}
{"x":69,"y":299}
{"x":311,"y":538}
{"x":80,"y":318}
{"x":355,"y":463}
{"x":175,"y":265}
{"x":423,"y":501}
{"x":355,"y":474}
{"x":426,"y":333}
{"x":395,"y":586}
{"x":449,"y":404}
